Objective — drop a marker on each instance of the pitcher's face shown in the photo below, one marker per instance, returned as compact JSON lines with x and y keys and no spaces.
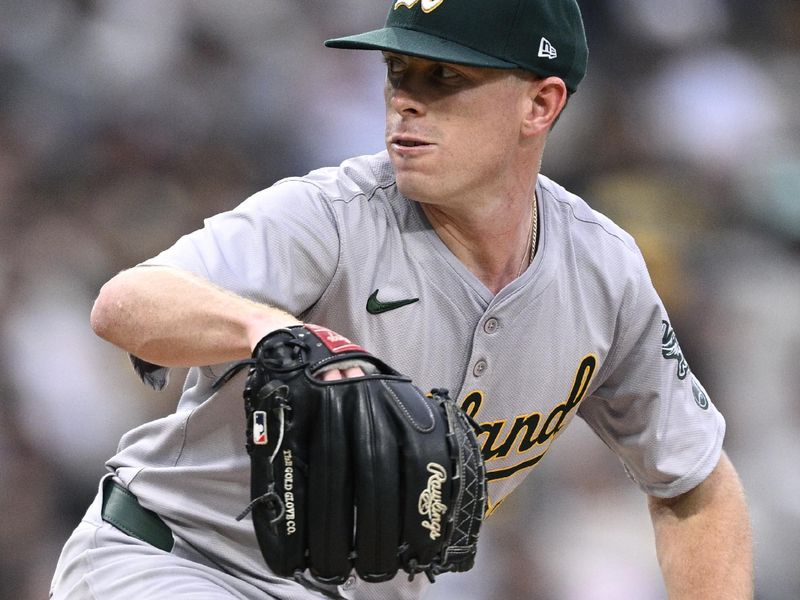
{"x":451,"y":128}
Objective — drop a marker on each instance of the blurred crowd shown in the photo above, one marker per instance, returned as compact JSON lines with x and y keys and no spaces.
{"x":123,"y":123}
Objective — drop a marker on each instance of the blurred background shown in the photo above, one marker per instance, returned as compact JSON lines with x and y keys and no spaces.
{"x":124,"y":122}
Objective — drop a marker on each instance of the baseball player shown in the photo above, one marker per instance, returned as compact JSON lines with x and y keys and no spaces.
{"x":453,"y":260}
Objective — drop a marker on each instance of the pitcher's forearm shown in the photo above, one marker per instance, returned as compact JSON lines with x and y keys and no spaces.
{"x":175,"y":319}
{"x":703,"y":539}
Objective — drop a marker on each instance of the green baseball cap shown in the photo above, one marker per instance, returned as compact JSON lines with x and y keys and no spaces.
{"x":545,"y":37}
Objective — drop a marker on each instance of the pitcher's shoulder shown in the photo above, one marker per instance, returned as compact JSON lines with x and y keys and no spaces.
{"x":582,"y":221}
{"x":356,"y":179}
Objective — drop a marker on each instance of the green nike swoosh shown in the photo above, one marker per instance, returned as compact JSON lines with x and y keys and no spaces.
{"x":376,"y":307}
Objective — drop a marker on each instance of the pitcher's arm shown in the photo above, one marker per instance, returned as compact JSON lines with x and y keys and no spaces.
{"x":703,"y":539}
{"x":175,"y":319}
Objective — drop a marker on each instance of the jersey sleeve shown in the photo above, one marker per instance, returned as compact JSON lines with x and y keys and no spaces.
{"x":650,"y":409}
{"x":280,"y":247}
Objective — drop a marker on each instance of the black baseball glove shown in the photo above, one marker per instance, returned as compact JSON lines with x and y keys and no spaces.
{"x":364,"y":474}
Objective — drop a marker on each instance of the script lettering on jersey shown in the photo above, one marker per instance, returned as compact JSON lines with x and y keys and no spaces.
{"x":288,"y":493}
{"x":426,"y":5}
{"x":527,"y":433}
{"x":430,"y":500}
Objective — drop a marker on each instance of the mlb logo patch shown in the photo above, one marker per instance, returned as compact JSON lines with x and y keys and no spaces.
{"x":259,"y":427}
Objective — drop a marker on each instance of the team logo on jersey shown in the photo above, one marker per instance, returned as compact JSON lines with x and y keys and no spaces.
{"x":670,"y":349}
{"x":427,"y":5}
{"x":533,"y":432}
{"x":259,"y":427}
{"x":430,"y":503}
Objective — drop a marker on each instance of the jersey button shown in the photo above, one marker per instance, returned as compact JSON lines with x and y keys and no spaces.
{"x":479,"y":368}
{"x":490,"y":326}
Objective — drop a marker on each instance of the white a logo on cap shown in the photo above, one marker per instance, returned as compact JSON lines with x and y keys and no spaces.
{"x":427,"y":5}
{"x":546,"y":49}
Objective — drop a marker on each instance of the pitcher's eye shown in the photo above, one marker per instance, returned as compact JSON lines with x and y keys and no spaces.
{"x":394,"y":66}
{"x":447,"y":73}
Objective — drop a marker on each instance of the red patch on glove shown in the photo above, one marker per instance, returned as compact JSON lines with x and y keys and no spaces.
{"x":335,"y":342}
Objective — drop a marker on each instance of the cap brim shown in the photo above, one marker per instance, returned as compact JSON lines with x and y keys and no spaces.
{"x":417,"y":43}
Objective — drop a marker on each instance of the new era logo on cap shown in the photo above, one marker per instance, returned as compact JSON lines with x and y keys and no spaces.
{"x":547,"y":50}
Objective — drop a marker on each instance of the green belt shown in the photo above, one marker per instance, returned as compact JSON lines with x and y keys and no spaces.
{"x":123,"y":511}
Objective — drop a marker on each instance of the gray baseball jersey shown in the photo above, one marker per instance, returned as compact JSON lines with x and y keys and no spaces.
{"x":581,"y":331}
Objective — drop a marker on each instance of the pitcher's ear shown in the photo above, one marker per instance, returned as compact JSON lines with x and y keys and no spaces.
{"x":547,"y":98}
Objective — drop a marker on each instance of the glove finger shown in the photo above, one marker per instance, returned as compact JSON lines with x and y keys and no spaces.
{"x":428,"y":474}
{"x":330,"y":491}
{"x":378,"y":488}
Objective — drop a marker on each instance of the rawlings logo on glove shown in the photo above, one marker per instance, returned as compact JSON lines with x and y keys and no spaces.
{"x":430,"y":500}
